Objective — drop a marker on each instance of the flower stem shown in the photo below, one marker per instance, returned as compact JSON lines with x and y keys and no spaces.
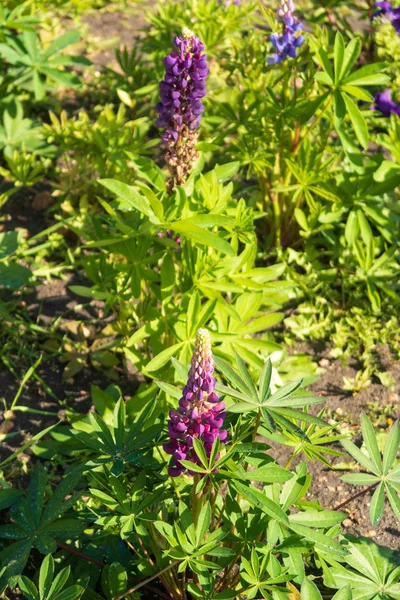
{"x":197,"y":500}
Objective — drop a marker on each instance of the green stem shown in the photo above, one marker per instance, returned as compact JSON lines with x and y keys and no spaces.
{"x":197,"y":500}
{"x":289,"y":461}
{"x":256,"y":426}
{"x":312,"y":126}
{"x":142,"y":583}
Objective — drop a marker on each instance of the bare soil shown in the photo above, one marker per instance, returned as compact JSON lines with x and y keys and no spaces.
{"x":347,"y":408}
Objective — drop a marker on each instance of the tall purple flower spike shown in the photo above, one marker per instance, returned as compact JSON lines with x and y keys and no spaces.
{"x":385,"y":9}
{"x":385,"y":104}
{"x":181,"y":107}
{"x":286,"y":44}
{"x":200,"y":414}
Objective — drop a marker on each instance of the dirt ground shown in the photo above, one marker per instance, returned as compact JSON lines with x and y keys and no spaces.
{"x":346,"y":408}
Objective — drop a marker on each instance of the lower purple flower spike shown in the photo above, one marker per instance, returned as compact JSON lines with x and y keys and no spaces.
{"x":200,"y":414}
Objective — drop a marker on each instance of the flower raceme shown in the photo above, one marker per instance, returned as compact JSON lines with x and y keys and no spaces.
{"x":200,"y":414}
{"x":181,"y":107}
{"x":386,"y":10}
{"x":286,"y":44}
{"x":385,"y":104}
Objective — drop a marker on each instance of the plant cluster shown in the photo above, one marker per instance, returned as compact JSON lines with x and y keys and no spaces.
{"x":240,"y":161}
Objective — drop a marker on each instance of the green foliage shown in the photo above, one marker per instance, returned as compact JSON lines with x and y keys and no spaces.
{"x":50,"y":587}
{"x":36,"y":521}
{"x":293,"y":198}
{"x":383,"y":472}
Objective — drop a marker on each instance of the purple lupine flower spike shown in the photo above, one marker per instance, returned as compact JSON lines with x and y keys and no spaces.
{"x":181,"y":107}
{"x":200,"y":414}
{"x":286,"y":44}
{"x":385,"y":104}
{"x":386,"y":10}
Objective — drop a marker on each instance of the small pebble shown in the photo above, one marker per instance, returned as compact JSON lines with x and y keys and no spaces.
{"x":347,"y":523}
{"x":370,"y":533}
{"x":325,"y":363}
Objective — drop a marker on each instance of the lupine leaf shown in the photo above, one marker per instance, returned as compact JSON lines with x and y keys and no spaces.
{"x":265,"y":380}
{"x":391,"y":447}
{"x":371,"y":443}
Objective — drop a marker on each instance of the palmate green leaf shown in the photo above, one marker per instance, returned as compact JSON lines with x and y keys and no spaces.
{"x":360,"y":478}
{"x":391,"y":447}
{"x":344,"y":594}
{"x":394,"y":500}
{"x":309,"y":590}
{"x":227,"y":391}
{"x":192,"y":467}
{"x":203,"y":522}
{"x":359,"y":456}
{"x":377,"y":504}
{"x":358,"y":93}
{"x":295,"y":488}
{"x":268,"y":419}
{"x":268,"y":474}
{"x":351,"y":54}
{"x":325,"y":63}
{"x":46,"y":576}
{"x":338,"y":56}
{"x":162,"y":358}
{"x":170,"y":389}
{"x":371,"y":442}
{"x":119,"y":424}
{"x":28,"y":588}
{"x":357,"y":119}
{"x":8,"y":497}
{"x":129,"y":194}
{"x":103,"y":432}
{"x":13,"y":560}
{"x":246,"y":377}
{"x":260,"y":324}
{"x":284,"y":392}
{"x":265,"y":381}
{"x":202,"y":236}
{"x":322,"y":542}
{"x":74,"y":592}
{"x":318,"y":518}
{"x":192,"y":312}
{"x":289,"y":426}
{"x":232,"y":376}
{"x":36,"y":489}
{"x":339,"y":109}
{"x":227,"y":171}
{"x":200,"y":452}
{"x":259,"y":500}
{"x":300,"y":416}
{"x":371,"y":74}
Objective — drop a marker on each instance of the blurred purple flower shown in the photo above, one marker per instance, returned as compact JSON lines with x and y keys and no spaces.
{"x":200,"y":414}
{"x":385,"y":9}
{"x":169,"y":235}
{"x":385,"y":104}
{"x":286,"y":44}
